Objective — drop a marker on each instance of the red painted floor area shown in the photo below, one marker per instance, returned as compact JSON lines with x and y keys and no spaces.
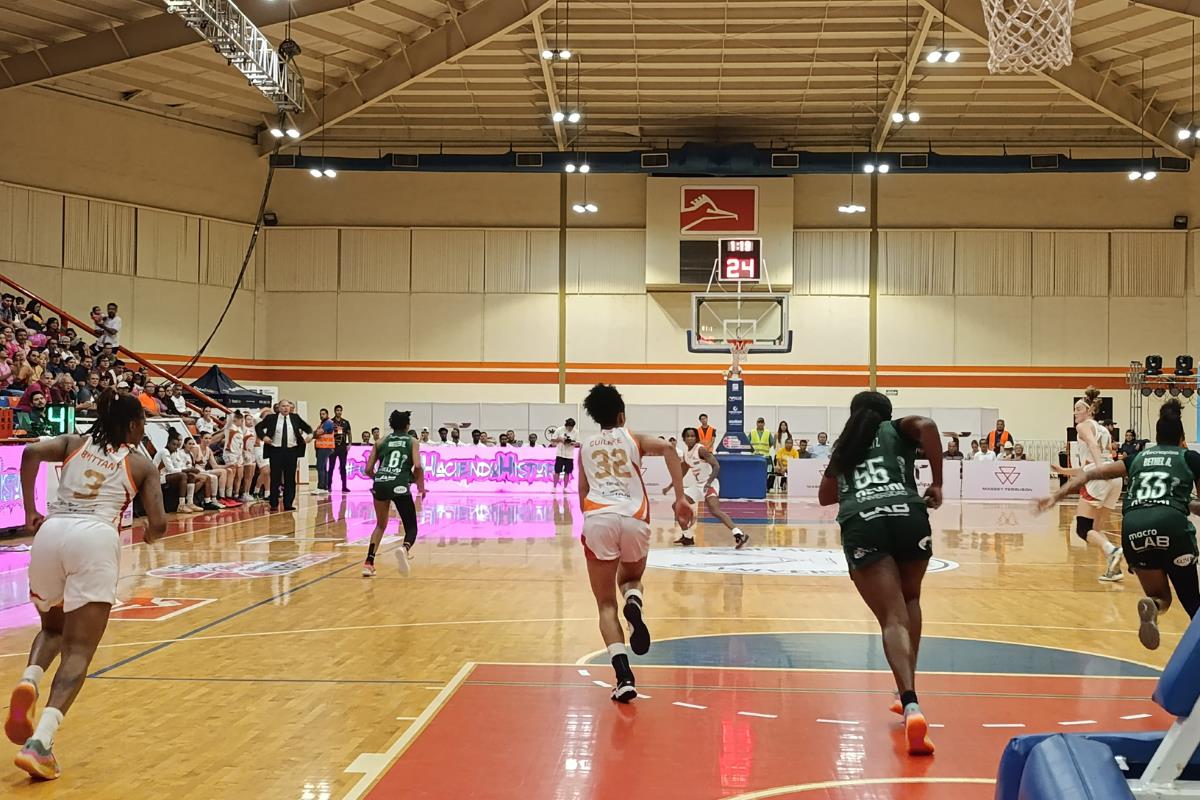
{"x":515,"y":732}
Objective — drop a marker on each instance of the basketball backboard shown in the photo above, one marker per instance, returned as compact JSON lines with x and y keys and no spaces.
{"x":719,"y":317}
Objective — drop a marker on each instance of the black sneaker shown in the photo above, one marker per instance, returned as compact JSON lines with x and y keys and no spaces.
{"x":211,"y":506}
{"x":686,"y":541}
{"x":624,"y":691}
{"x":740,"y":540}
{"x":639,"y":634}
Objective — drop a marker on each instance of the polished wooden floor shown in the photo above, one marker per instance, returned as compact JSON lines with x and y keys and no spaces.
{"x":300,"y":665}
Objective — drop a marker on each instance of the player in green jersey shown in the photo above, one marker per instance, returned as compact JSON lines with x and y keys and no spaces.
{"x":1158,"y":539}
{"x":885,"y":532}
{"x":394,"y":465}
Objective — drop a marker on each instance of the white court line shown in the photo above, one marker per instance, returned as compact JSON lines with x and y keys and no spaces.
{"x":1079,"y":722}
{"x":689,"y":705}
{"x":1004,"y":724}
{"x":603,"y":685}
{"x":755,"y":714}
{"x":840,"y":721}
{"x":936,"y":725}
{"x":373,"y":765}
{"x":585,"y":673}
{"x":407,"y":718}
{"x":1137,"y":716}
{"x":644,"y":696}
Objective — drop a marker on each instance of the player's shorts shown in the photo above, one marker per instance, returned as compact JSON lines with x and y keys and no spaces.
{"x":901,"y":531}
{"x":1102,"y":493}
{"x":607,"y":537}
{"x":398,"y":494}
{"x":75,"y":560}
{"x":563,"y":466}
{"x":698,"y":493}
{"x":1158,"y":538}
{"x":248,"y":458}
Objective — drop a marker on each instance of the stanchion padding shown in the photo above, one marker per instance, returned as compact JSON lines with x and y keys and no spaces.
{"x":1179,"y":686}
{"x":1072,"y":768}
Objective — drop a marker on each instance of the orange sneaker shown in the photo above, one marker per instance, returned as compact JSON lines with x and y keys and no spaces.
{"x":916,"y":731}
{"x":36,"y":759}
{"x":19,"y":725}
{"x":896,"y":707}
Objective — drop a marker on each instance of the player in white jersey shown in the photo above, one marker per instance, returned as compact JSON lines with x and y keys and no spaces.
{"x":1099,"y":497}
{"x":234,"y":447}
{"x":700,"y":485}
{"x":616,"y":524}
{"x":75,"y":561}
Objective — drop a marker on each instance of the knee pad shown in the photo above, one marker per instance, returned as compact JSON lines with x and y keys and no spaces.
{"x":1082,"y":526}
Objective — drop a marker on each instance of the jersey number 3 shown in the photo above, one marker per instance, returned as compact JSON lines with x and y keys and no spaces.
{"x":611,"y":463}
{"x":92,"y":481}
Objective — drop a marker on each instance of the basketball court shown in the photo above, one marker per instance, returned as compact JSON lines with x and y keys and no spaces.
{"x":474,"y":210}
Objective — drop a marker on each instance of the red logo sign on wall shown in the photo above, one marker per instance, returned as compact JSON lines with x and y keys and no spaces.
{"x":718,"y":209}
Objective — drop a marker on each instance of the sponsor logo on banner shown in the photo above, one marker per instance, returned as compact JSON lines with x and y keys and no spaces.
{"x":801,"y":562}
{"x":156,"y":609}
{"x":1015,"y":480}
{"x":231,"y":570}
{"x":718,"y":209}
{"x":1006,"y":474}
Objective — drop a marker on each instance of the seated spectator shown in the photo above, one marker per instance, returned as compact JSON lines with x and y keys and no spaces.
{"x":205,"y":422}
{"x":374,"y":435}
{"x":85,"y":397}
{"x":177,"y":472}
{"x":533,"y":440}
{"x":504,"y":440}
{"x":33,"y":316}
{"x":984,"y":454}
{"x":34,"y":387}
{"x":37,"y":362}
{"x":148,"y":400}
{"x":1130,"y":447}
{"x":456,"y":438}
{"x":104,"y":365}
{"x":62,"y":391}
{"x":974,"y":449}
{"x":33,"y":419}
{"x":366,"y":438}
{"x":1018,"y":453}
{"x":106,"y":381}
{"x":952,"y":452}
{"x":424,"y":437}
{"x":476,"y":437}
{"x":6,"y":373}
{"x":174,"y":401}
{"x":83,"y":367}
{"x":443,"y":436}
{"x":783,"y":455}
{"x":821,"y":449}
{"x":6,"y":307}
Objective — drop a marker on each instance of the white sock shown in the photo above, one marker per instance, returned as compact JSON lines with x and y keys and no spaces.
{"x":47,"y":726}
{"x":33,"y":674}
{"x":635,"y":593}
{"x":737,"y":532}
{"x":613,"y":651}
{"x":1109,"y":548}
{"x":191,"y":493}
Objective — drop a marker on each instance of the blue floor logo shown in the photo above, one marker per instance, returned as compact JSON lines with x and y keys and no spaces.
{"x":764,"y":561}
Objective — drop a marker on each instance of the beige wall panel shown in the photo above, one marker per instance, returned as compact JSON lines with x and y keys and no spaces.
{"x":992,"y":330}
{"x":831,"y":262}
{"x":668,"y":318}
{"x":1070,"y":263}
{"x":993,"y":263}
{"x":1069,"y":331}
{"x":916,"y":262}
{"x":289,"y":330}
{"x":30,"y":226}
{"x":99,"y":236}
{"x":447,"y":260}
{"x":446,"y":327}
{"x":375,"y":260}
{"x":302,"y":259}
{"x":224,"y":250}
{"x":1149,"y":263}
{"x":235,"y":338}
{"x":1143,"y":325}
{"x":543,"y":261}
{"x":82,"y":290}
{"x":167,"y":317}
{"x":828,"y":330}
{"x":1193,"y":326}
{"x":43,"y":281}
{"x":916,"y":330}
{"x":506,"y":261}
{"x":606,"y":328}
{"x":606,"y":262}
{"x":520,"y":327}
{"x":168,"y":246}
{"x":371,"y":326}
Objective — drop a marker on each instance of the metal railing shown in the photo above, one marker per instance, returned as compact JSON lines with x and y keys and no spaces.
{"x":90,"y":330}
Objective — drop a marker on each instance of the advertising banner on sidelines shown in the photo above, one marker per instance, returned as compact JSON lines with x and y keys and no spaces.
{"x":1005,"y":480}
{"x":804,"y":477}
{"x":471,"y":467}
{"x":12,"y":501}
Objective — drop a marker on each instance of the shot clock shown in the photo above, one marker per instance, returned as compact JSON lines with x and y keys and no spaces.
{"x":740,"y":260}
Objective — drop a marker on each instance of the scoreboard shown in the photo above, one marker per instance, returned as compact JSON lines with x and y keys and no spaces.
{"x":740,"y":260}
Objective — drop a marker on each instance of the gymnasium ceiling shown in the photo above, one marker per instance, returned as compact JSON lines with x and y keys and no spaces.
{"x":404,"y":74}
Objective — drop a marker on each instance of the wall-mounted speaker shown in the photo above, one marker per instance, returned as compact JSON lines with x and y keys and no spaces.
{"x":1180,"y":222}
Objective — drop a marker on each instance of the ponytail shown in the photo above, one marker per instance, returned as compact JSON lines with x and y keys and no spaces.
{"x":1091,"y":398}
{"x":1169,"y":429}
{"x":868,"y":410}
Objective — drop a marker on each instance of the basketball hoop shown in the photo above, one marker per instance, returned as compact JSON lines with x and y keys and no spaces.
{"x":739,"y":352}
{"x":1028,"y":35}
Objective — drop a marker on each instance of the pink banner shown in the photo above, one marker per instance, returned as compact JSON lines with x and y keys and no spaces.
{"x":474,"y":468}
{"x":12,"y":503}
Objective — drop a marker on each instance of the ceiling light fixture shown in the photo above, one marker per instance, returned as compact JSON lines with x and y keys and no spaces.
{"x":324,"y":171}
{"x":316,"y":173}
{"x":906,"y":115}
{"x":570,"y":167}
{"x":940,"y":53}
{"x":293,"y":133}
{"x":1142,"y":173}
{"x":1190,"y":131}
{"x":558,"y":116}
{"x":585,"y":168}
{"x":574,"y":117}
{"x":276,"y":131}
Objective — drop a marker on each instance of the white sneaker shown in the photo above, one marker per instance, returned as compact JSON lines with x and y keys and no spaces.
{"x":402,"y":557}
{"x":247,"y":498}
{"x":1114,"y":561}
{"x":315,"y":493}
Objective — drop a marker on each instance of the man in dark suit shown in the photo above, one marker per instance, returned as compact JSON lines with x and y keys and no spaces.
{"x":283,"y":434}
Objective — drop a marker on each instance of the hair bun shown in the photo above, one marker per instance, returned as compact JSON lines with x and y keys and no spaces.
{"x":1172,"y":409}
{"x":1091,"y":393}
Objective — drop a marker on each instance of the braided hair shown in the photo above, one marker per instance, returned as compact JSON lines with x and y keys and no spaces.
{"x":115,"y":414}
{"x":868,"y":410}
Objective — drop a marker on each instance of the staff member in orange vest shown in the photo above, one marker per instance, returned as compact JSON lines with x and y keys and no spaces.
{"x":997,"y":439}
{"x":323,"y":443}
{"x":707,"y":435}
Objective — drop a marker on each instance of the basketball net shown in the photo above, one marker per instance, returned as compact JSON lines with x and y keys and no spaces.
{"x":1028,"y":35}
{"x":739,"y":352}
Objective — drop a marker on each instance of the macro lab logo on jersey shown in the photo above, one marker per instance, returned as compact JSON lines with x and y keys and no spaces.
{"x":797,"y":561}
{"x":718,"y":209}
{"x":1007,"y":475}
{"x":231,"y":570}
